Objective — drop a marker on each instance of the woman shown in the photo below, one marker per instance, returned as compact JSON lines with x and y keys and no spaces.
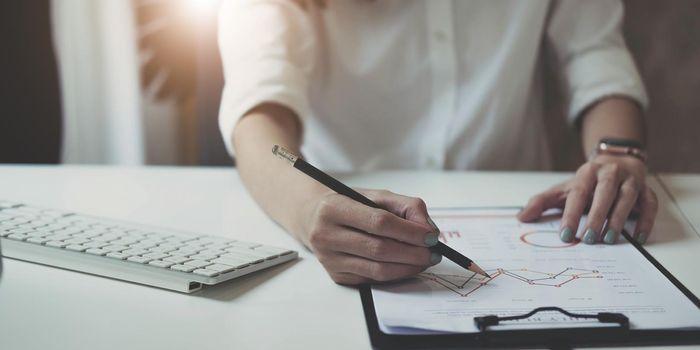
{"x":357,"y":85}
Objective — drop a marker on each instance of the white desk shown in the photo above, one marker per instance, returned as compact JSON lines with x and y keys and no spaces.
{"x":292,"y":306}
{"x":685,"y":191}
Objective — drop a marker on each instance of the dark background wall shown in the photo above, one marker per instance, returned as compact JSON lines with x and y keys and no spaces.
{"x":664,"y":38}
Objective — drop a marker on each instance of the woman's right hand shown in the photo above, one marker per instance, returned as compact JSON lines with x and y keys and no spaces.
{"x":359,"y":244}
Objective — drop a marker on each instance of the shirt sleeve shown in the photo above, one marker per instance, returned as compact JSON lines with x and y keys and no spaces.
{"x":268,"y":51}
{"x":591,"y":53}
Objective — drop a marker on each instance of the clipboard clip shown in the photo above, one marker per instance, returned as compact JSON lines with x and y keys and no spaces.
{"x":483,"y":322}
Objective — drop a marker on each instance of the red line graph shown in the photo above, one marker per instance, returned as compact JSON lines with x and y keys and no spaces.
{"x":460,"y":285}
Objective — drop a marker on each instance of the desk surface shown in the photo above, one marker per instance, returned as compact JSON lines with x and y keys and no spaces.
{"x":291,"y":306}
{"x":685,"y":192}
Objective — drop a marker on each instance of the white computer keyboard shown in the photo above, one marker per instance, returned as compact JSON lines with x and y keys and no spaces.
{"x":153,"y":256}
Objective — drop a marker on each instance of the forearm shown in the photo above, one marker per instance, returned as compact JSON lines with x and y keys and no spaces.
{"x":277,"y":187}
{"x":615,"y":117}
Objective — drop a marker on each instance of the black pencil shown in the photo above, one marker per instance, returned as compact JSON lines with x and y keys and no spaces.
{"x":341,"y":188}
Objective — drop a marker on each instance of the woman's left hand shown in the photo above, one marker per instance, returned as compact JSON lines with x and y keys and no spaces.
{"x":612,"y":187}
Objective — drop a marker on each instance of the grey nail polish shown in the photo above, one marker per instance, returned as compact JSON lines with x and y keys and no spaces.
{"x":566,"y":235}
{"x":431,"y":239}
{"x":642,"y":238}
{"x":610,"y":237}
{"x":589,"y":236}
{"x":435,"y":258}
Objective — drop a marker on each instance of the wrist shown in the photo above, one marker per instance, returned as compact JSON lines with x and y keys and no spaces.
{"x":616,"y":147}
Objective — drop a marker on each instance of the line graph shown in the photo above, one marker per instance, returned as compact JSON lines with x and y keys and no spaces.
{"x":459,"y":284}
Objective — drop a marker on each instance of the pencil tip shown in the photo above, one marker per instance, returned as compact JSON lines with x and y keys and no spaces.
{"x":479,"y":270}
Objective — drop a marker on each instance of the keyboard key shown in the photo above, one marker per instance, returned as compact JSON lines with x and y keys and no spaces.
{"x":135,"y":251}
{"x":161,"y":249}
{"x":106,"y":238}
{"x":115,"y":248}
{"x":139,"y":259}
{"x":67,"y":231}
{"x":117,"y":255}
{"x":141,"y":245}
{"x":177,"y":259}
{"x":55,"y":227}
{"x":124,"y":241}
{"x":220,"y":268}
{"x":235,"y":263}
{"x":37,"y":224}
{"x":22,"y":231}
{"x":18,"y":236}
{"x":205,"y":272}
{"x":57,"y":244}
{"x":203,"y":257}
{"x":244,"y":244}
{"x":96,"y":244}
{"x":37,"y":240}
{"x":20,"y":220}
{"x":97,"y":251}
{"x":184,"y":252}
{"x":272,"y":250}
{"x":183,"y":268}
{"x":214,"y":252}
{"x":58,"y":237}
{"x":161,"y":263}
{"x":76,"y":247}
{"x":197,"y":263}
{"x":77,"y":241}
{"x":156,"y":256}
{"x":247,"y":256}
{"x":39,"y":233}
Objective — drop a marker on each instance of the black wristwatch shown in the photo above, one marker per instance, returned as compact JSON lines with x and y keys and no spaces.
{"x":620,"y":147}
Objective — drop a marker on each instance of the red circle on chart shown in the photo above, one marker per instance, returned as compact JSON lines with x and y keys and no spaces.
{"x":529,"y":237}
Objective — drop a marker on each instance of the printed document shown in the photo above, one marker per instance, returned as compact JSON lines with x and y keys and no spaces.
{"x":529,"y":267}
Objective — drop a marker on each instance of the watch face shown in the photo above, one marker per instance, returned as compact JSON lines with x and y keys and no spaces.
{"x":622,"y":142}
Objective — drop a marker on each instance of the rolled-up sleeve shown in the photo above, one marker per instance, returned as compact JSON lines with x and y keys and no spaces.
{"x":268,"y":52}
{"x":591,"y":52}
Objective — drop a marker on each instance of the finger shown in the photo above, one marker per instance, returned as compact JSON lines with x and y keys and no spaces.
{"x":605,"y":193}
{"x":380,"y":249}
{"x":552,"y":198}
{"x":577,"y":198}
{"x":622,"y":208}
{"x":409,"y":208}
{"x":345,"y":211}
{"x":648,"y":207}
{"x":348,"y":278}
{"x":374,"y":270}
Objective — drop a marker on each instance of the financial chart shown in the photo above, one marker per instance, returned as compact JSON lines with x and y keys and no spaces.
{"x":529,"y":267}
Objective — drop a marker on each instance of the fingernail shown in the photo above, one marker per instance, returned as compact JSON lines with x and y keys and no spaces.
{"x":610,"y":237}
{"x":435,"y":258}
{"x":566,"y":235}
{"x":431,"y":239}
{"x":589,"y":236}
{"x":642,"y":238}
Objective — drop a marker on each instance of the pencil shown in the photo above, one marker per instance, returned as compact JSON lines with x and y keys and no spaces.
{"x":341,"y":188}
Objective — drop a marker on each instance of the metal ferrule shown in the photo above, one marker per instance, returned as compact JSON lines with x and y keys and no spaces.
{"x":284,"y":154}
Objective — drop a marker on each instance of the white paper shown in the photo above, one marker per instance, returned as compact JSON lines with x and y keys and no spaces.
{"x":530,"y":267}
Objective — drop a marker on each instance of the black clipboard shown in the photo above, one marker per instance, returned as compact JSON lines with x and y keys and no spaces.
{"x":558,"y":338}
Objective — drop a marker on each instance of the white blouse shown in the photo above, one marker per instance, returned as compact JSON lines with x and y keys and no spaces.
{"x":409,"y":84}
